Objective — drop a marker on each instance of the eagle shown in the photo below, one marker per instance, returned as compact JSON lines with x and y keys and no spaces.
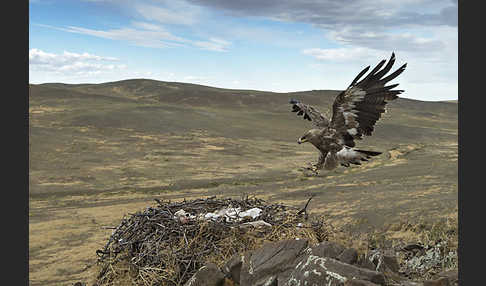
{"x":354,"y":114}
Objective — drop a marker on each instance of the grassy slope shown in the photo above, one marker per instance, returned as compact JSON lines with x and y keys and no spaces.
{"x":99,"y":151}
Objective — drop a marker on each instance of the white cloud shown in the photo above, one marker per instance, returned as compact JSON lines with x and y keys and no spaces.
{"x":430,"y":52}
{"x":143,"y":34}
{"x":38,"y":57}
{"x":345,"y":54}
{"x":410,"y":40}
{"x":422,"y":33}
{"x":147,"y":26}
{"x":213,"y":44}
{"x":334,"y":13}
{"x":174,"y":12}
{"x":423,"y":79}
{"x":148,"y":35}
{"x":69,"y":64}
{"x":70,"y":67}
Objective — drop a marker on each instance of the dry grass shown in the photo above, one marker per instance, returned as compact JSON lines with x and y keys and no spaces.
{"x":437,"y":243}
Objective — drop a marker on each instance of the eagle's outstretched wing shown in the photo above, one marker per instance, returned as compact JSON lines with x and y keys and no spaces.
{"x":310,"y":113}
{"x":356,"y":110}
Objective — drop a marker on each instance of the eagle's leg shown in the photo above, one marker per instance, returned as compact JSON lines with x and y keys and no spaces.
{"x":318,"y":166}
{"x":320,"y":162}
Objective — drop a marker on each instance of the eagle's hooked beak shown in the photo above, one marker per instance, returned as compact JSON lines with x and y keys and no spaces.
{"x":301,"y":140}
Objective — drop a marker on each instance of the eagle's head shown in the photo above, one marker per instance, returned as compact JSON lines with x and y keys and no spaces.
{"x":311,"y":136}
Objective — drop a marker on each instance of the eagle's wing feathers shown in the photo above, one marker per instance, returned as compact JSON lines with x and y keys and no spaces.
{"x":310,"y":113}
{"x":356,"y":110}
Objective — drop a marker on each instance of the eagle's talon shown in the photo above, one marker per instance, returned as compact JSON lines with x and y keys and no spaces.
{"x":313,"y":167}
{"x":314,"y":173}
{"x":310,"y":170}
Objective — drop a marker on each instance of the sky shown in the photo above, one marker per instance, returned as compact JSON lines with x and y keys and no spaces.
{"x":269,"y":45}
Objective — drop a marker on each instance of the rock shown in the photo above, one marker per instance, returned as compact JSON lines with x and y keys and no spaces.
{"x":390,"y":261}
{"x":208,"y":275}
{"x":415,"y":247}
{"x":232,"y":267}
{"x":294,"y":263}
{"x":263,"y":266}
{"x":357,"y":282}
{"x":349,"y":256}
{"x":410,"y":283}
{"x":327,"y":249}
{"x":364,"y":262}
{"x":317,"y":270}
{"x":384,"y":261}
{"x":444,"y":281}
{"x":451,"y":275}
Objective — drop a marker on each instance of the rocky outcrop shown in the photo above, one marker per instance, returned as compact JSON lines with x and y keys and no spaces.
{"x":271,"y":263}
{"x":317,"y":270}
{"x":208,"y":275}
{"x":296,"y":263}
{"x":452,"y":276}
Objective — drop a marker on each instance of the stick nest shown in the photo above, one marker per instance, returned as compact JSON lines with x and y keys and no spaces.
{"x":154,"y":247}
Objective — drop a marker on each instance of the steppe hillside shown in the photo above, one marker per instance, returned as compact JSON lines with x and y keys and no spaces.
{"x":98,"y":152}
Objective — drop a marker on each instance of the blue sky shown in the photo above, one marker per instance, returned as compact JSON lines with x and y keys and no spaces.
{"x":273,"y":45}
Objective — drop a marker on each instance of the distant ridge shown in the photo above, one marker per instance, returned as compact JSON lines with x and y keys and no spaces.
{"x":145,"y":86}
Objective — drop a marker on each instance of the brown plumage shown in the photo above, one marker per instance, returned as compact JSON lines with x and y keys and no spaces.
{"x":355,"y":112}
